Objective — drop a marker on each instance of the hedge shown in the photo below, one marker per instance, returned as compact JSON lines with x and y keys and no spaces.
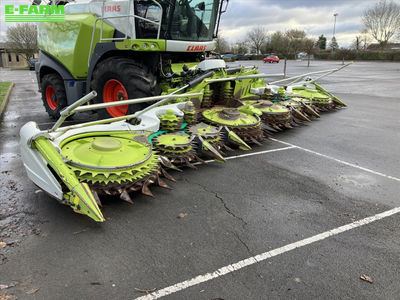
{"x":359,"y":55}
{"x":342,"y":53}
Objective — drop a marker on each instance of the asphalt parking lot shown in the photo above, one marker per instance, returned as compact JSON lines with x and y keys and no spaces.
{"x":283,"y":222}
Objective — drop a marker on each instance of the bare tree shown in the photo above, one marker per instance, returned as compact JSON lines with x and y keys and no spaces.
{"x":357,"y":43}
{"x":240,"y":48}
{"x":22,"y":39}
{"x":366,"y":39}
{"x":287,"y":44}
{"x":296,"y":38}
{"x":382,"y":21}
{"x":280,"y":43}
{"x":222,"y":45}
{"x":310,"y":47}
{"x":257,"y":37}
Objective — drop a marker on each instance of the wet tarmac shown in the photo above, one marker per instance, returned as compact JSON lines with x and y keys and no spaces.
{"x":16,"y":214}
{"x":249,"y":205}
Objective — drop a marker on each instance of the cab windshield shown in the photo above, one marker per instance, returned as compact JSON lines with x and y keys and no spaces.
{"x":186,"y":20}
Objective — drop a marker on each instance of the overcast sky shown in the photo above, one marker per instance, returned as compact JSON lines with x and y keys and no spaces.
{"x":3,"y":25}
{"x":313,"y":16}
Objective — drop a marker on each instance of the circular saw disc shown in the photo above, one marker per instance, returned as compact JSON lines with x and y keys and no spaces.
{"x":230,"y":117}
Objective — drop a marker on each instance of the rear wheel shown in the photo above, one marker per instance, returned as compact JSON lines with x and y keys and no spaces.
{"x":118,"y":79}
{"x":53,"y":94}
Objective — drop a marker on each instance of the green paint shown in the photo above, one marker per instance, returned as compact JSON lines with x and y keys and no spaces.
{"x":315,"y":95}
{"x":206,"y":146}
{"x":107,"y":159}
{"x":243,"y":86}
{"x":203,"y":87}
{"x":171,"y":140}
{"x":244,"y":120}
{"x":174,"y":145}
{"x":121,"y":134}
{"x":235,"y":138}
{"x":80,"y":197}
{"x":206,"y":130}
{"x":250,"y":110}
{"x":105,"y":151}
{"x":334,"y":98}
{"x":69,"y":42}
{"x":169,"y":116}
{"x":142,"y":45}
{"x":302,"y":100}
{"x":275,"y":108}
{"x":152,"y":136}
{"x":293,"y":104}
{"x":178,"y":67}
{"x":127,"y":175}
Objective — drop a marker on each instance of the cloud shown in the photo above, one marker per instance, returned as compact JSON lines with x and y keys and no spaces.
{"x":315,"y":17}
{"x":3,"y":24}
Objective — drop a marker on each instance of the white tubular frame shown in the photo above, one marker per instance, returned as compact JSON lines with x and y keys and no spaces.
{"x":102,"y":18}
{"x":77,"y":107}
{"x":254,"y":76}
{"x":300,"y":77}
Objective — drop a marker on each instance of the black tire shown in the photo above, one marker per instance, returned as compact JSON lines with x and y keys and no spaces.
{"x":136,"y":78}
{"x":53,"y":87}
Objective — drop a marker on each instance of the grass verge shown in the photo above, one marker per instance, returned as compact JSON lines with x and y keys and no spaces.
{"x":5,"y":89}
{"x":19,"y":68}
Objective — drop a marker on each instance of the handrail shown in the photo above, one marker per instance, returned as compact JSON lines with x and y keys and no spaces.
{"x":78,"y":107}
{"x":132,"y":101}
{"x":299,"y":77}
{"x":102,"y":18}
{"x":254,"y":76}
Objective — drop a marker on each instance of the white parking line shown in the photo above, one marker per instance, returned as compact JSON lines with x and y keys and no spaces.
{"x":52,"y":123}
{"x":266,"y":255}
{"x":260,"y":152}
{"x":338,"y":160}
{"x":250,"y":154}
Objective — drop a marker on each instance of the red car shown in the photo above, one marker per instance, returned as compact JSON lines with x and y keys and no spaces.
{"x":271,"y":59}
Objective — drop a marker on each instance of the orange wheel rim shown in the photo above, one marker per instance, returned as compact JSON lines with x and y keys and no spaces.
{"x":115,"y":91}
{"x":51,"y":98}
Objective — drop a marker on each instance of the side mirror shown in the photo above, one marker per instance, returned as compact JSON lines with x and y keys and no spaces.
{"x":226,"y":6}
{"x":201,"y":6}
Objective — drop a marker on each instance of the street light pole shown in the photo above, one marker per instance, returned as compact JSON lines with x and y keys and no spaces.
{"x":334,"y":23}
{"x":334,"y":31}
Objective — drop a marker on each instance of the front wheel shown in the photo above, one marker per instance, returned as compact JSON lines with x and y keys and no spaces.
{"x":118,"y":79}
{"x":53,"y":94}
